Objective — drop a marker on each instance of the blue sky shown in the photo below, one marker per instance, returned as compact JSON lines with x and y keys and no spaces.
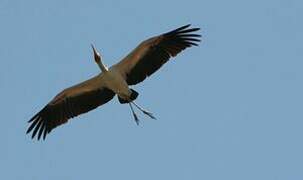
{"x":228,"y":109}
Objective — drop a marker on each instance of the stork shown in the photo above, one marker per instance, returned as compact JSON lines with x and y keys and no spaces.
{"x":139,"y":64}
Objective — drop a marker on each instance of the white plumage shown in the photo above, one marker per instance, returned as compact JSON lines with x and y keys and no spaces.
{"x":142,"y":62}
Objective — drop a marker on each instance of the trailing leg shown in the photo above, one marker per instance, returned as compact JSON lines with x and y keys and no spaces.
{"x":134,"y":114}
{"x":143,"y":110}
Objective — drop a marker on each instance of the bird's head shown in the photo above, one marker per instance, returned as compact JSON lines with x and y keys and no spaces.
{"x":97,"y":55}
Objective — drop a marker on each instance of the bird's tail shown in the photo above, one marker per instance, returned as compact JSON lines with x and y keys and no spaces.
{"x":133,"y":96}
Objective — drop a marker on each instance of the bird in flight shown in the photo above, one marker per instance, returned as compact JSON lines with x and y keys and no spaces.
{"x":139,"y":64}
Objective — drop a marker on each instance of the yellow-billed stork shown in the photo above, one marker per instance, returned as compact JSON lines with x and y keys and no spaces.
{"x":142,"y":62}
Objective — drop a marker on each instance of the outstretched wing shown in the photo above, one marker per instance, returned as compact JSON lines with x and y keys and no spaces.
{"x":69,"y":103}
{"x":152,"y":53}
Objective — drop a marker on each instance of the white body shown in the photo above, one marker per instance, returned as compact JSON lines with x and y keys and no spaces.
{"x":142,"y":62}
{"x":113,"y":80}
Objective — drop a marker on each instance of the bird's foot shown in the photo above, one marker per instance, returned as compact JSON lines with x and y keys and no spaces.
{"x":136,"y":119}
{"x":134,"y":114}
{"x":149,"y":114}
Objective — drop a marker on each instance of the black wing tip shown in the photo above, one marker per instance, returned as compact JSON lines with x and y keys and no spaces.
{"x":33,"y":118}
{"x":188,"y":36}
{"x":178,"y":29}
{"x":28,"y":131}
{"x":185,"y":28}
{"x":41,"y":136}
{"x":185,"y":32}
{"x":37,"y":127}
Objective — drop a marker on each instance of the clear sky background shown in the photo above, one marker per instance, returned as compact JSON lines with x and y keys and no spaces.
{"x":228,"y":109}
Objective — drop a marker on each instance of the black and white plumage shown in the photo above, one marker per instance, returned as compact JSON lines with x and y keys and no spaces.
{"x":142,"y":62}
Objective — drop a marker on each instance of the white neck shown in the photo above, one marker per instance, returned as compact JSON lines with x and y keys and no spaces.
{"x":102,"y":66}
